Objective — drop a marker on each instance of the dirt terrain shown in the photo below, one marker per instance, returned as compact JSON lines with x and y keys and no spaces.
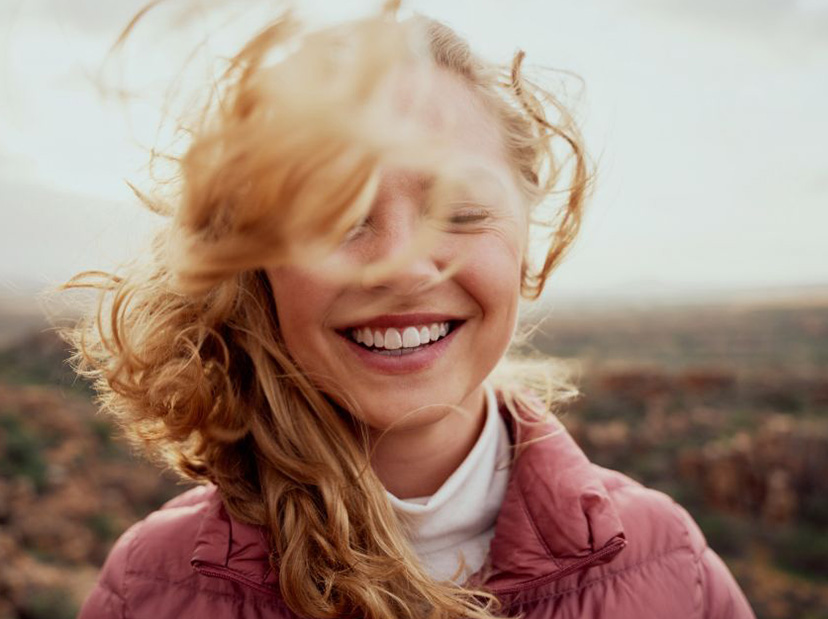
{"x":723,"y":406}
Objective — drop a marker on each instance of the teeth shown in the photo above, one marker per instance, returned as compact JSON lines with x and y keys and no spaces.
{"x":410,"y":337}
{"x":394,"y":339}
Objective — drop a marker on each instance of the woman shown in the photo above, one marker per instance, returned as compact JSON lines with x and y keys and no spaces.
{"x":320,"y":339}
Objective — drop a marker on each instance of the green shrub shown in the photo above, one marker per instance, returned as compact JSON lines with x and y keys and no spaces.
{"x":49,"y":604}
{"x":23,"y":453}
{"x":802,"y":550}
{"x":727,"y":535}
{"x":103,"y":527}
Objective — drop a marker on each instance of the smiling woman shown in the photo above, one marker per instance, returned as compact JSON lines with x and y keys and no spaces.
{"x":320,"y":338}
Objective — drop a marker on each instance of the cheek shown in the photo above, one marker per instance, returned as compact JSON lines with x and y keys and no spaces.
{"x":492,"y":275}
{"x":302,"y":300}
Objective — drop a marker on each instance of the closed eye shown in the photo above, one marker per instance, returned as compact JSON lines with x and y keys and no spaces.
{"x":462,"y":214}
{"x":468,"y":215}
{"x":472,"y":216}
{"x":357,"y":228}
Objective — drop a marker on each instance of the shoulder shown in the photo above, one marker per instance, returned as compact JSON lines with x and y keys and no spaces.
{"x":664,"y":542}
{"x":167,"y":534}
{"x":200,"y":495}
{"x":654,"y":523}
{"x":160,"y":544}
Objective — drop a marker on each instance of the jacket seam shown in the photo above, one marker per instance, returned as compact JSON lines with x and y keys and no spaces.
{"x":154,"y":576}
{"x":128,"y":558}
{"x":525,"y":508}
{"x":191,"y":584}
{"x":677,"y":510}
{"x":686,"y":529}
{"x":112,"y":591}
{"x":629,"y":568}
{"x":700,"y":581}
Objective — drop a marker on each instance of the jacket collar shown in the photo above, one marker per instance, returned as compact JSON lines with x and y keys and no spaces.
{"x":230,"y":549}
{"x":557,"y":518}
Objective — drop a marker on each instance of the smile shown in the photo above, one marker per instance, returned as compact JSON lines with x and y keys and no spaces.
{"x":401,"y":349}
{"x":401,"y":340}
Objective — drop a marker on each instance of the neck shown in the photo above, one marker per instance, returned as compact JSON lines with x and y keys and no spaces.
{"x":415,"y":462}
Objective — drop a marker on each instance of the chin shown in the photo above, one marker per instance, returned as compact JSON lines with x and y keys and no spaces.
{"x":402,"y":413}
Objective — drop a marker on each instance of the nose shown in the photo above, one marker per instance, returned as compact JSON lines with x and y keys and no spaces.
{"x":405,"y":259}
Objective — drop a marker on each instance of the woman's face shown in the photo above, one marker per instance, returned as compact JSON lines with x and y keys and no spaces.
{"x":408,"y":340}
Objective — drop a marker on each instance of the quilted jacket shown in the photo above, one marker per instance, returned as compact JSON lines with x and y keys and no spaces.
{"x":572,"y":539}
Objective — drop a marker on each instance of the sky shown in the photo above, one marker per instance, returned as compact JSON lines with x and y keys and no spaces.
{"x":706,"y":118}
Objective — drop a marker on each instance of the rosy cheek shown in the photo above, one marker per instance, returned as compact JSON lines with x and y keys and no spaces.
{"x":493,"y":276}
{"x":298,"y":298}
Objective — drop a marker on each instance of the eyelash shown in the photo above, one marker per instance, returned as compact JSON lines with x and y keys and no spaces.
{"x":469,"y":215}
{"x":357,"y":227}
{"x":465,"y":216}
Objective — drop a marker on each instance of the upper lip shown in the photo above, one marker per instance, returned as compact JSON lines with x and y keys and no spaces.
{"x":401,"y":320}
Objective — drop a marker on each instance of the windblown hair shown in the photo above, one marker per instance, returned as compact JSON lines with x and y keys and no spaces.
{"x":184,"y":346}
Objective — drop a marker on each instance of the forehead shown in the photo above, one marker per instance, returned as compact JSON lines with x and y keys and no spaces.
{"x":436,"y":102}
{"x":443,"y":103}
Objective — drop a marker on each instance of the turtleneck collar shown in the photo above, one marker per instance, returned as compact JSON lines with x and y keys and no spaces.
{"x":458,"y":519}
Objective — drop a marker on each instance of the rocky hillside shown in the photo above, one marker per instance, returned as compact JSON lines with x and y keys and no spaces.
{"x":68,"y":488}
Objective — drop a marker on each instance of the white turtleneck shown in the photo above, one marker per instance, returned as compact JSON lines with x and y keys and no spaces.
{"x":458,"y":520}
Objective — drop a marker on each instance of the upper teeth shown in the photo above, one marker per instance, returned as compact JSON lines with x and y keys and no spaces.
{"x":407,"y":337}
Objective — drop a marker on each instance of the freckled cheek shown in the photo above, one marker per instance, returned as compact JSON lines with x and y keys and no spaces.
{"x":302,"y":301}
{"x":492,"y":276}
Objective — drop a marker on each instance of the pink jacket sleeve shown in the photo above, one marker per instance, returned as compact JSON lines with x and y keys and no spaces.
{"x":722,"y":596}
{"x":106,"y":600}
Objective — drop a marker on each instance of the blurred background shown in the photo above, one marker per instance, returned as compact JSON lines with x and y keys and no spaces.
{"x":695,"y":299}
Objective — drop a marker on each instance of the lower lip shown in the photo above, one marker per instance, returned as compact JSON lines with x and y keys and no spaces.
{"x":406,"y":363}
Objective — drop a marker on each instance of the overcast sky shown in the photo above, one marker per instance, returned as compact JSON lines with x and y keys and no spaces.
{"x":707,"y":118}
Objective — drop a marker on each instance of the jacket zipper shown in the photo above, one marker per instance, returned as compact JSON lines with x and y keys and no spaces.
{"x":228,"y":574}
{"x":609,"y":549}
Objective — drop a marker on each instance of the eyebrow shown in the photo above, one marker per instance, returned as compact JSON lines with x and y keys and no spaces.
{"x":425,"y":182}
{"x":474,"y":174}
{"x":474,"y":179}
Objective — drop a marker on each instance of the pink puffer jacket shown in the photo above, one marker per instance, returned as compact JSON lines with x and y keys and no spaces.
{"x":571,"y":540}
